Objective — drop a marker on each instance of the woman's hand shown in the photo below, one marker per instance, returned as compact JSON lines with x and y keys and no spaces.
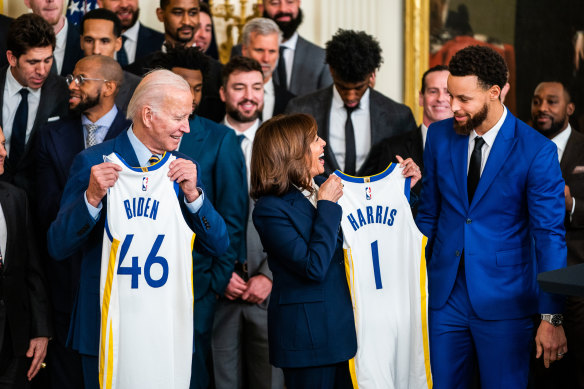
{"x":331,"y":189}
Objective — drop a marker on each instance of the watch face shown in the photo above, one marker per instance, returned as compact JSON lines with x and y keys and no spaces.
{"x":556,"y":321}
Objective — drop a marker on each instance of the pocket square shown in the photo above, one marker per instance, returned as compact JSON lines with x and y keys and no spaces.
{"x":53,"y":119}
{"x":578,"y":169}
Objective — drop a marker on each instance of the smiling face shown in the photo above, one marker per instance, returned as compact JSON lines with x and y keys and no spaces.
{"x":470,"y":103}
{"x":550,"y":109}
{"x":316,"y":157}
{"x":32,"y":68}
{"x":265,"y":50}
{"x":243,"y":95}
{"x":84,"y":97}
{"x":181,"y":20}
{"x":126,"y":10}
{"x":204,"y":34}
{"x":50,"y":10}
{"x":435,"y":98}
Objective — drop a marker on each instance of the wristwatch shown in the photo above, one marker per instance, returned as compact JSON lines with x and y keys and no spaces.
{"x":554,"y":319}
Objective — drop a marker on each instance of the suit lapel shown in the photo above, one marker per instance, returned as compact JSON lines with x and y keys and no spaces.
{"x":571,"y":153}
{"x":299,"y":202}
{"x":3,"y":71}
{"x":124,"y":148}
{"x":68,"y":139}
{"x":500,"y":152}
{"x":119,"y":124}
{"x":375,"y":117}
{"x":297,"y":66}
{"x":9,"y":217}
{"x":459,"y":156}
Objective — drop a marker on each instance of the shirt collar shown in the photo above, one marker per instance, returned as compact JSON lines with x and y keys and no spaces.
{"x":61,"y":37}
{"x":291,"y":43}
{"x":14,"y":86}
{"x":561,"y":140}
{"x":104,"y":121}
{"x":269,"y":87}
{"x":132,"y":32}
{"x":424,"y":134}
{"x":140,"y":149}
{"x":339,"y":104}
{"x":249,"y":133}
{"x":489,"y":136}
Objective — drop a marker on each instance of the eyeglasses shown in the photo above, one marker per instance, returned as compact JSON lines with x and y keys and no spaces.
{"x":80,"y":80}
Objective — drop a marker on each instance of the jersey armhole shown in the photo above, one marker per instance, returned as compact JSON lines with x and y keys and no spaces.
{"x":407,"y":188}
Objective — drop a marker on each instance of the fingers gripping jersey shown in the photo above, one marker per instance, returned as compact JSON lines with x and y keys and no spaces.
{"x":146,"y":288}
{"x":386,"y":271}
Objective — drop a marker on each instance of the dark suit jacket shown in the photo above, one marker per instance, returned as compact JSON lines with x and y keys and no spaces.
{"x":310,"y":315}
{"x":282,"y":97}
{"x":73,"y":51}
{"x":24,"y":302}
{"x":75,"y":230}
{"x":519,"y":199}
{"x":57,"y":145}
{"x":127,"y":88}
{"x":4,"y":26}
{"x":54,"y":102}
{"x":309,"y":69}
{"x":149,"y":41}
{"x":388,"y":118}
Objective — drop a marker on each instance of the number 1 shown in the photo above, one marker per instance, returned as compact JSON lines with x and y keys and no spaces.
{"x":376,"y":270}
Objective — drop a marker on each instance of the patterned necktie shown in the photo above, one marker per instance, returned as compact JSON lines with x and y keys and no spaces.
{"x":91,"y":139}
{"x":474,"y":168}
{"x":122,"y":55}
{"x":350,"y":149}
{"x":153,"y":159}
{"x":19,"y":126}
{"x":282,"y":75}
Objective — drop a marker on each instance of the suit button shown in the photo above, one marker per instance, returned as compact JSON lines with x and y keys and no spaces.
{"x":468,"y":221}
{"x":457,"y":253}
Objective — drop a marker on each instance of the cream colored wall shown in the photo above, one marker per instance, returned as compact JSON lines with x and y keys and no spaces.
{"x":380,"y":18}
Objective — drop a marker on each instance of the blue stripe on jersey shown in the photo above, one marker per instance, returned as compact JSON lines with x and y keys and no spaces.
{"x":373,"y":178}
{"x":150,"y":168}
{"x":176,"y":188}
{"x":407,"y":188}
{"x":107,"y":231}
{"x":376,"y":270}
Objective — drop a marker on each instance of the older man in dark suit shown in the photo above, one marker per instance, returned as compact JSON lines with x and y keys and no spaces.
{"x":30,"y":95}
{"x":352,"y":117}
{"x":25,"y":325}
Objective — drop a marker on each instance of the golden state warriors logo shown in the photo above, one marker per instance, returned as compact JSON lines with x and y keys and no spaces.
{"x":144,"y":184}
{"x":368,"y":192}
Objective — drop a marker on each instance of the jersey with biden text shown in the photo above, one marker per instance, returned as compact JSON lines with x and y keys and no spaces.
{"x":146,"y":288}
{"x":386,"y":271}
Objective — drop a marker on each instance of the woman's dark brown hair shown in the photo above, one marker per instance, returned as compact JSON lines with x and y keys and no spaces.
{"x":280,"y":155}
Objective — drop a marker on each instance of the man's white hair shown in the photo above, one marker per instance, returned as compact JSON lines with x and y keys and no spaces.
{"x":151,"y":91}
{"x":260,"y":26}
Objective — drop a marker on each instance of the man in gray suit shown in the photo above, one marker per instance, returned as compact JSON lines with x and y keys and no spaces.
{"x":101,"y":33}
{"x":351,"y":116}
{"x":301,"y":63}
{"x":240,"y":330}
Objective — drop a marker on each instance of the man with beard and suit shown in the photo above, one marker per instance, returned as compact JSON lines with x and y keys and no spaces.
{"x":30,"y":95}
{"x":493,"y":208}
{"x":101,"y":33}
{"x":25,"y":324}
{"x":222,"y":169}
{"x":95,"y":118}
{"x":67,"y":51}
{"x":551,"y":108}
{"x":301,"y":65}
{"x":137,"y":39}
{"x":352,"y":117}
{"x":260,"y":41}
{"x":240,"y":330}
{"x":435,"y":100}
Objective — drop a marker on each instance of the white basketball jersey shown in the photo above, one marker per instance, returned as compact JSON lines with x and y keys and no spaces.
{"x":386,"y":271}
{"x":146,"y":282}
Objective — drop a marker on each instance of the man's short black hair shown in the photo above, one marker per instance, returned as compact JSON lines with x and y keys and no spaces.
{"x":480,"y":61}
{"x":437,"y":68}
{"x":29,"y":31}
{"x":182,"y":57}
{"x":240,"y":64}
{"x":164,"y":3}
{"x":353,"y":55}
{"x":568,"y":87}
{"x":103,"y":14}
{"x":204,"y":7}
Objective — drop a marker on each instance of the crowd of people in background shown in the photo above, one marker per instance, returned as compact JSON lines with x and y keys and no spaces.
{"x":498,"y":200}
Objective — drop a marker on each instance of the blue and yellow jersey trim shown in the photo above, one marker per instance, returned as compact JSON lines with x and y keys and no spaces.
{"x":150,"y":168}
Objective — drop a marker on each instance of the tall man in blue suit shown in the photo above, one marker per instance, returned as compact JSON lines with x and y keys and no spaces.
{"x":222,"y":168}
{"x":159,"y":109}
{"x":96,"y":118}
{"x":492,"y":187}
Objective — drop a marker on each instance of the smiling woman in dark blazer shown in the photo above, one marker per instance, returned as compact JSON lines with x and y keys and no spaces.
{"x":311,"y":328}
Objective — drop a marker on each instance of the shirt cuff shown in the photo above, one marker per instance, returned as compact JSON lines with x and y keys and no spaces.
{"x":573,"y":208}
{"x":197,"y":204}
{"x":94,"y":212}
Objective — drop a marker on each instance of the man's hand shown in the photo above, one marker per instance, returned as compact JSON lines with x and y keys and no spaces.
{"x":410,"y":170}
{"x":569,"y":199}
{"x":550,"y":341}
{"x":37,"y":350}
{"x":184,"y":172}
{"x":578,"y":49}
{"x":235,"y":288}
{"x":103,"y":177}
{"x":258,"y":289}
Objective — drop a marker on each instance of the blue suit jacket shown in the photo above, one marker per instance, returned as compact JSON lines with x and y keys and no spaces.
{"x":520,"y":195}
{"x":57,"y":145}
{"x":75,"y":230}
{"x":222,"y":168}
{"x":310,"y":316}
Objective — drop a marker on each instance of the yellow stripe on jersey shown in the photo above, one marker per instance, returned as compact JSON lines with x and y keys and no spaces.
{"x":105,"y":308}
{"x":110,"y":359}
{"x":353,"y":373}
{"x":192,"y":287}
{"x":424,"y":299}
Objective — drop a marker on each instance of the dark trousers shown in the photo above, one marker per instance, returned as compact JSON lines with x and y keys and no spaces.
{"x":14,"y":376}
{"x":335,"y":376}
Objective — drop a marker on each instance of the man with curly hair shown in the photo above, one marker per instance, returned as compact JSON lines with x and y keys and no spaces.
{"x":492,"y":205}
{"x":352,"y":117}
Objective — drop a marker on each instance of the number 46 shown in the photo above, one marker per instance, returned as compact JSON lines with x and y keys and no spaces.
{"x":134,"y":270}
